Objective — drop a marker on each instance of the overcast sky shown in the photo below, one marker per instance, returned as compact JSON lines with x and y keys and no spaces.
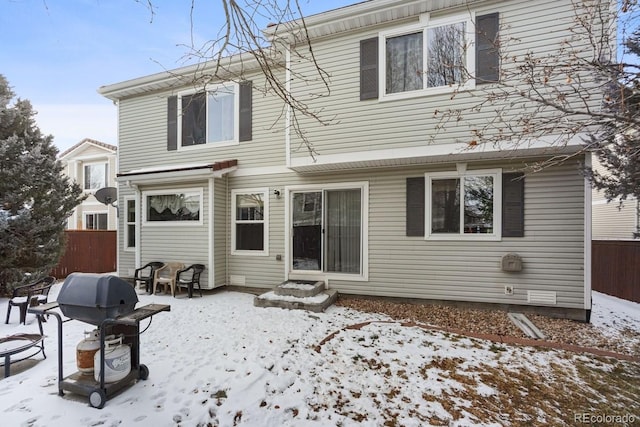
{"x":57,"y":53}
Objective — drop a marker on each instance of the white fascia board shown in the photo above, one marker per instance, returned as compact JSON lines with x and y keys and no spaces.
{"x":165,"y":175}
{"x":353,"y":17}
{"x":201,"y":73}
{"x":431,"y":153}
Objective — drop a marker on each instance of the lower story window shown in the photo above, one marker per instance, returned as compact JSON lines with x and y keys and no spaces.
{"x":130,"y":224}
{"x":250,"y":212}
{"x":463,"y":205}
{"x":95,"y":221}
{"x":173,"y":207}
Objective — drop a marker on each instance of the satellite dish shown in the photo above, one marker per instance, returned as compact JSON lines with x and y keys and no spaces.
{"x":107,"y":195}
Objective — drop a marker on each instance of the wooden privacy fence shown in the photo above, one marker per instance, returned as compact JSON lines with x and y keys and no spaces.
{"x":615,"y":268}
{"x":87,"y":251}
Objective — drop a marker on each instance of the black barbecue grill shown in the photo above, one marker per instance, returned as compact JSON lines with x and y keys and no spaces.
{"x":92,"y":298}
{"x":108,"y":302}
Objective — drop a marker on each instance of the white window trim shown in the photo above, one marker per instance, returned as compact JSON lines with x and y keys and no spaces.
{"x":426,"y":22}
{"x":364,"y":258}
{"x":84,"y":219}
{"x":106,"y":177}
{"x":127,"y":223}
{"x":265,"y":193}
{"x":497,"y":206}
{"x":236,"y":117}
{"x":187,"y":191}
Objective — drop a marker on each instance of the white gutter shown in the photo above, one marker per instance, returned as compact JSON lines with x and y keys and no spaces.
{"x":287,"y":128}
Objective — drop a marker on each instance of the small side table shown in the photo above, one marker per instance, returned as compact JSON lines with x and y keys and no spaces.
{"x":14,"y":344}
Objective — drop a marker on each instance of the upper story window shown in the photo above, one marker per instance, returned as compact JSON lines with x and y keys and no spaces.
{"x":435,"y":54}
{"x":95,"y":176}
{"x":430,"y":57}
{"x":212,"y":117}
{"x":209,"y":116}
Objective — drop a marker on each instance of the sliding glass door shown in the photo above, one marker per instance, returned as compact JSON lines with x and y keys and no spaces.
{"x":327,"y":230}
{"x":307,"y":231}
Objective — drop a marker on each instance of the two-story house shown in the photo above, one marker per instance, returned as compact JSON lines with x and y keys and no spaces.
{"x":215,"y":175}
{"x":92,"y":164}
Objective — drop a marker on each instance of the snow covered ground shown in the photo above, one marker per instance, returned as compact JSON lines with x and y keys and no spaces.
{"x":220,"y":360}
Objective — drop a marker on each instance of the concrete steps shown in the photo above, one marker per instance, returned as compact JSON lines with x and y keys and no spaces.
{"x":298,"y":295}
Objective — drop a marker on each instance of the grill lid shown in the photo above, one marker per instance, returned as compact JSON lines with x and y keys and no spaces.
{"x":92,"y":298}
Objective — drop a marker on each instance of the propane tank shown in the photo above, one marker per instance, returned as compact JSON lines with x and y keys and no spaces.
{"x":117,"y":360}
{"x":86,"y":350}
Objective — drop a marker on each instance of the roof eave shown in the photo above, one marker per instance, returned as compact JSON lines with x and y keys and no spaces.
{"x":196,"y":74}
{"x":360,"y":15}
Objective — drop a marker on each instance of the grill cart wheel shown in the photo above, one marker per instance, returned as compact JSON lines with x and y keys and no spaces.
{"x":144,"y":372}
{"x":97,"y":398}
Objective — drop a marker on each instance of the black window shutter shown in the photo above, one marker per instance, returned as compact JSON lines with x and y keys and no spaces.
{"x":415,"y":206}
{"x":369,"y":69}
{"x":172,"y":123}
{"x":513,"y":205}
{"x":245,"y":109}
{"x":487,"y":49}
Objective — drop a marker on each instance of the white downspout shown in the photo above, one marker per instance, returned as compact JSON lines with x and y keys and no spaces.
{"x":287,"y":126}
{"x":587,"y":237}
{"x":212,"y":245}
{"x":637,"y":230}
{"x":138,"y":201}
{"x":227,"y":231}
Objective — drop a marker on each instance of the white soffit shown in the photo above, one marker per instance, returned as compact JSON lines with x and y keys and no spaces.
{"x":362,"y":15}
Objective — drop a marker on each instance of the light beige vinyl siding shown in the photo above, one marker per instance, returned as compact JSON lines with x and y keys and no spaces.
{"x":552,"y":249}
{"x":126,"y":258}
{"x":143,"y":135}
{"x":262,"y":271}
{"x":411,"y":267}
{"x":377,"y":125}
{"x":612,"y":220}
{"x":188,"y":244}
{"x":219,"y":231}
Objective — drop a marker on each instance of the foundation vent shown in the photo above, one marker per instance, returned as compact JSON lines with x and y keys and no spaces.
{"x":541,"y":297}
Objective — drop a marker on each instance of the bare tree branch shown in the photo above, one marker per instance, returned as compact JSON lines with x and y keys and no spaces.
{"x":241,"y":36}
{"x":564,"y":94}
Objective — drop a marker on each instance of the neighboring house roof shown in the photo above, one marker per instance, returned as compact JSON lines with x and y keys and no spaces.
{"x":69,"y":151}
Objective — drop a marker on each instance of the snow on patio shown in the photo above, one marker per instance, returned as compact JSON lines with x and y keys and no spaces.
{"x":220,"y":360}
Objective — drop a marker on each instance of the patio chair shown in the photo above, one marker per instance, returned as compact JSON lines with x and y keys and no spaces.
{"x":146,"y":274}
{"x":166,"y":276}
{"x":30,"y":295}
{"x":189,"y":277}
